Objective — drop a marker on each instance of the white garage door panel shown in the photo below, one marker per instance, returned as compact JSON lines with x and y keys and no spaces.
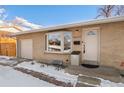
{"x":26,"y":48}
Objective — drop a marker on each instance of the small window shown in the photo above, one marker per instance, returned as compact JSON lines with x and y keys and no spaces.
{"x":59,"y":42}
{"x":91,"y":33}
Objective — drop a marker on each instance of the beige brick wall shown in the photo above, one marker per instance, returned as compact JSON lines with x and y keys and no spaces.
{"x":111,"y":44}
{"x":39,"y":48}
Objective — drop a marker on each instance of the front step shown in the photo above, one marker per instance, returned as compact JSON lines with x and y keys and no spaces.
{"x":80,"y":84}
{"x":89,"y":81}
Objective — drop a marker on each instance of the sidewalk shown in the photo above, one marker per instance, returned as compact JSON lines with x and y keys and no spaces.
{"x":106,"y":73}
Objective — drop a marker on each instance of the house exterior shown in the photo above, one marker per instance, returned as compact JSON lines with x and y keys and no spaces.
{"x":101,"y":42}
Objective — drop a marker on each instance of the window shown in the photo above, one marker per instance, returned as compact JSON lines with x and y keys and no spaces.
{"x":91,"y":33}
{"x":67,"y":41}
{"x":54,"y":42}
{"x":59,"y":42}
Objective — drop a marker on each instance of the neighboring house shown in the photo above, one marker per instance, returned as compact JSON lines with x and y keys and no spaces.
{"x":7,"y":28}
{"x":101,"y":42}
{"x":8,"y":43}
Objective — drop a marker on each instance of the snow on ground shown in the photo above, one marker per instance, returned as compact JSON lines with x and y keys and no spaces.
{"x":5,"y":57}
{"x":105,"y":83}
{"x":10,"y":77}
{"x":7,"y":60}
{"x":50,"y":71}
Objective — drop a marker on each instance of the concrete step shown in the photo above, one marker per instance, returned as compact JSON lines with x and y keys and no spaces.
{"x":89,"y":80}
{"x":80,"y":84}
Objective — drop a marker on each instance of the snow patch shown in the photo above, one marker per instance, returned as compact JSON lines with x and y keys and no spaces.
{"x":50,"y":71}
{"x":7,"y":60}
{"x":5,"y":57}
{"x":106,"y":83}
{"x":10,"y":77}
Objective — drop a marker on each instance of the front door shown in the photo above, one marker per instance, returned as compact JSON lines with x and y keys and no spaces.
{"x":90,"y":47}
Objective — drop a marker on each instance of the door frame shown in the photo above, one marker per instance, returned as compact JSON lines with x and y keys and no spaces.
{"x":83,"y":38}
{"x":21,"y":47}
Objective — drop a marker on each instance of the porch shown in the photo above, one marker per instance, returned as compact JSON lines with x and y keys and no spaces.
{"x":94,"y":75}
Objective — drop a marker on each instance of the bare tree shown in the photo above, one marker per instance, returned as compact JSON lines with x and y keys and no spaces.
{"x":110,"y":10}
{"x":105,"y":11}
{"x":119,"y":10}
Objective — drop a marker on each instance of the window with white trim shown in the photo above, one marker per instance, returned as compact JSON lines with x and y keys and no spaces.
{"x":59,"y":42}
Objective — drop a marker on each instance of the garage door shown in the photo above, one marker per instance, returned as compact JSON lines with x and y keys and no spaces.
{"x":26,"y":48}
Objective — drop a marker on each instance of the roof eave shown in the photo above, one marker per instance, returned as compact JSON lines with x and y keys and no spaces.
{"x":91,"y":22}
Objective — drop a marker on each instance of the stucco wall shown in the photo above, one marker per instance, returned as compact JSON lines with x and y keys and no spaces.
{"x":111,"y":44}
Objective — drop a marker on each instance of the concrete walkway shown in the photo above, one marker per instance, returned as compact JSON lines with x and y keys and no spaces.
{"x":106,"y":73}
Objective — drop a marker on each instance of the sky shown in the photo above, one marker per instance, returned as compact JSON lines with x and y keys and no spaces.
{"x":51,"y":15}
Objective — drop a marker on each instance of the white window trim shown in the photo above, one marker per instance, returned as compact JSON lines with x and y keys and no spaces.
{"x":62,"y":43}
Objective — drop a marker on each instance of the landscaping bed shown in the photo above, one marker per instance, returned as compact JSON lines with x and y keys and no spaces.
{"x":50,"y":73}
{"x":44,"y":77}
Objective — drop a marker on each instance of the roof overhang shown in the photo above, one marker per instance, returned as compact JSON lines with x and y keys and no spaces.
{"x":78,"y":24}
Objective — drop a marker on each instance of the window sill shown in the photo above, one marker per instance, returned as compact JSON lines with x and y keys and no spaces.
{"x":57,"y":52}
